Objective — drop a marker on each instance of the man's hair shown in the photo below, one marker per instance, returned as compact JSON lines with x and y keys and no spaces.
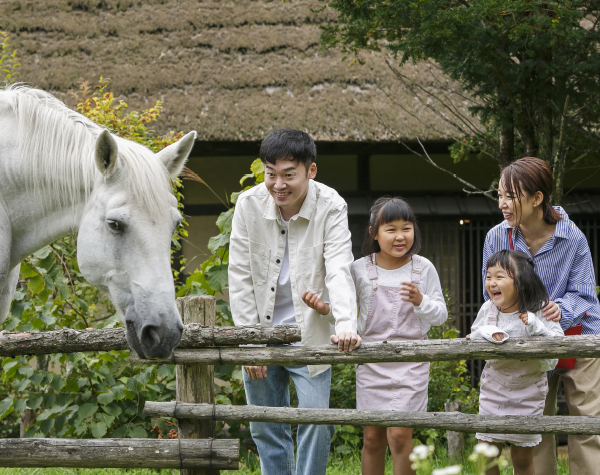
{"x":288,"y":144}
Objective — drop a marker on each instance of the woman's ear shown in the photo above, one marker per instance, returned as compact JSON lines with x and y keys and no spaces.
{"x":538,"y":198}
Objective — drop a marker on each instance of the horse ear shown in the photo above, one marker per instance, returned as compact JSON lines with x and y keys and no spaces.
{"x":175,"y":155}
{"x":106,"y":153}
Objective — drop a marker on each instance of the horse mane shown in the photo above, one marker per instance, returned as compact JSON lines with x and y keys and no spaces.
{"x":57,"y":147}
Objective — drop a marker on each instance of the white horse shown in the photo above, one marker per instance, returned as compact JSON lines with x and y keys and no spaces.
{"x":60,"y":172}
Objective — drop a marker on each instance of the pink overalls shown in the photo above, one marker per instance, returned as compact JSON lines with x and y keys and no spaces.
{"x":392,"y":386}
{"x":512,"y":388}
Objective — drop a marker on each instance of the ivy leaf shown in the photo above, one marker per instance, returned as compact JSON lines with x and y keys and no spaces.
{"x":217,"y":277}
{"x":87,"y":410}
{"x":216,"y":242}
{"x":224,"y":221}
{"x":99,"y":430}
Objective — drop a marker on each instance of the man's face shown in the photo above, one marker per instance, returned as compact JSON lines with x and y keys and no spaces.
{"x":287,"y":181}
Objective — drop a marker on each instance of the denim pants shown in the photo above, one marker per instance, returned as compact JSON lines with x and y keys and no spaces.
{"x":274,"y":441}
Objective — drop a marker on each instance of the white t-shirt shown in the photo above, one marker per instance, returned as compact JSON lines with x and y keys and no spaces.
{"x":283,"y":311}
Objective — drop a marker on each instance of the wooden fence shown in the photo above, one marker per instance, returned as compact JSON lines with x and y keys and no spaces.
{"x":203,"y":345}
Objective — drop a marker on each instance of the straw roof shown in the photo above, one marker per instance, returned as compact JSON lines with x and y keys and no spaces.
{"x":231,"y":70}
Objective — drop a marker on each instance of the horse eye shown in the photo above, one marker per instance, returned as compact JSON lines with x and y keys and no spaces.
{"x":114,"y":225}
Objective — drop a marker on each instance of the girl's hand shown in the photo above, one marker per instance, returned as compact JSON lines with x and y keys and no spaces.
{"x":346,"y":341}
{"x":524,"y":318}
{"x":498,"y":336}
{"x":552,"y":312}
{"x":411,"y":293}
{"x":313,"y":301}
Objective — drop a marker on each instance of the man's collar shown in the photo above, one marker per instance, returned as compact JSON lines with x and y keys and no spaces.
{"x":306,"y":210}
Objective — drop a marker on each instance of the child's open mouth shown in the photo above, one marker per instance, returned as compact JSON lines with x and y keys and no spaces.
{"x":496,"y":295}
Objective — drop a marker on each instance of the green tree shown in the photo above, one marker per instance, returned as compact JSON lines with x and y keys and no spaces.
{"x":530,"y":69}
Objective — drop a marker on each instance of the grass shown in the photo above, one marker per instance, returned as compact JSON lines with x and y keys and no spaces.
{"x":346,"y":465}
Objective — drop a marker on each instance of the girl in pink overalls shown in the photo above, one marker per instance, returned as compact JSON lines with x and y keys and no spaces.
{"x":399,"y":298}
{"x":513,"y":387}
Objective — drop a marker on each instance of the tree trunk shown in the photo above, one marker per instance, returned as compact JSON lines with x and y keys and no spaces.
{"x":27,"y":418}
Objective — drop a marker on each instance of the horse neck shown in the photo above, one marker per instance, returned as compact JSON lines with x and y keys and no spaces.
{"x":37,"y":216}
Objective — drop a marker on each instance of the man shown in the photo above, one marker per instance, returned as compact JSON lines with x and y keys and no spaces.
{"x":290,"y":239}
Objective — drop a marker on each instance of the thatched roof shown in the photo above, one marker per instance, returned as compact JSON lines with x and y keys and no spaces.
{"x":232,"y":70}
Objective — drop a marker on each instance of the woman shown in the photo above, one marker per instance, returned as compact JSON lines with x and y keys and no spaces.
{"x":564,"y":263}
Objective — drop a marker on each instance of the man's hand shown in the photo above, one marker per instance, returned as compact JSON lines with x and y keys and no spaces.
{"x":411,"y":293}
{"x":524,"y":318}
{"x":256,"y":372}
{"x":346,"y":341}
{"x":552,"y":312}
{"x":313,"y":301}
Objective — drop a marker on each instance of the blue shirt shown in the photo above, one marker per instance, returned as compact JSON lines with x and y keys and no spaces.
{"x":565,"y":266}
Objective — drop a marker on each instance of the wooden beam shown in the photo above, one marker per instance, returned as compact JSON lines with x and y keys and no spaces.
{"x":194,"y":336}
{"x":583,"y":425}
{"x":120,"y":453}
{"x":583,"y":346}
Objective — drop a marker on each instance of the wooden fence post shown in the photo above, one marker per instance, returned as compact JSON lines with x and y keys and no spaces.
{"x":195,"y":382}
{"x":456,"y":440}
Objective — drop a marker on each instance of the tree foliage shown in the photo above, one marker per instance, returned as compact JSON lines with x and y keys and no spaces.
{"x":532,"y":68}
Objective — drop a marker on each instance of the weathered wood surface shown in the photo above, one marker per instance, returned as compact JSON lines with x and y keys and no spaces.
{"x":195,"y":382}
{"x":456,"y":440}
{"x":194,"y":336}
{"x":581,"y":425}
{"x":586,"y":346}
{"x":119,"y":453}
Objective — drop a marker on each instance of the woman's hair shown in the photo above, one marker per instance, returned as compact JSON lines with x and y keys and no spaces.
{"x":385,"y":210}
{"x":530,"y":289}
{"x":530,"y":175}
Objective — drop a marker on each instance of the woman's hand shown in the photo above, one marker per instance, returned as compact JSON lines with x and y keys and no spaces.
{"x":498,"y":336}
{"x":411,"y":293}
{"x":552,"y":312}
{"x":346,"y":341}
{"x":313,"y":301}
{"x":524,"y":318}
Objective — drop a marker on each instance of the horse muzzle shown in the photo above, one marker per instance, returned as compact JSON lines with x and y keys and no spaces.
{"x":152,"y":338}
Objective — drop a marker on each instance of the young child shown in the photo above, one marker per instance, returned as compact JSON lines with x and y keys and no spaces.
{"x":513,"y":387}
{"x":399,"y":297}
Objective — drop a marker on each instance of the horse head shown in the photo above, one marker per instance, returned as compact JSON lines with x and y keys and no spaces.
{"x":124,"y":239}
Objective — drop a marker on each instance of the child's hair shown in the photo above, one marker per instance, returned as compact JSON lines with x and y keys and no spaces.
{"x":531,"y":291}
{"x":288,"y":144}
{"x":385,"y":210}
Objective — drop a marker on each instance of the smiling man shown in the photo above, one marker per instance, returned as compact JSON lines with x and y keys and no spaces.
{"x":290,"y":236}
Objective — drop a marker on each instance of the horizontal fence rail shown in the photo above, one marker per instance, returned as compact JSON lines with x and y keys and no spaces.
{"x":194,"y":336}
{"x":587,"y":346}
{"x":454,"y":421}
{"x":120,"y":453}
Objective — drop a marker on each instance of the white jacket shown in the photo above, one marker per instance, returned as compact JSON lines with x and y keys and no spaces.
{"x":320,"y":256}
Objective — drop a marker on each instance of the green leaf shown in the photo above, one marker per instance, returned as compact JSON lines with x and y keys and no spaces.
{"x":257,"y":167}
{"x":224,"y":221}
{"x":119,"y":392}
{"x":99,"y":430}
{"x":46,"y":426}
{"x":137,"y":432}
{"x":6,"y":407}
{"x":59,"y":422}
{"x":245,"y":177}
{"x":37,"y":378}
{"x":113,"y":409}
{"x":27,"y":271}
{"x":57,"y":382}
{"x":106,"y":398}
{"x":26,"y":371}
{"x":34,"y":402}
{"x":36,"y":284}
{"x":43,"y":253}
{"x":20,"y":406}
{"x":216,"y":242}
{"x":217,"y":277}
{"x":87,"y":410}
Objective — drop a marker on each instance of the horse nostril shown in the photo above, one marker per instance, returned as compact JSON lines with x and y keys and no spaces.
{"x":150,"y":337}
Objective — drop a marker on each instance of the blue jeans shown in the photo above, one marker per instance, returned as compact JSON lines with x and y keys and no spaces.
{"x":274,"y":441}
